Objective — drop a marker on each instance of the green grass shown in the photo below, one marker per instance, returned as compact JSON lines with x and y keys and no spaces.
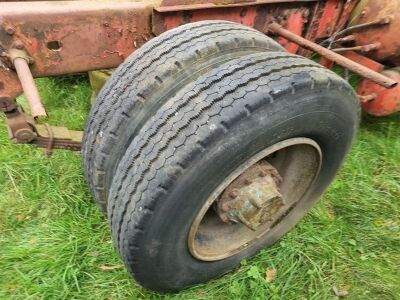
{"x":54,"y":242}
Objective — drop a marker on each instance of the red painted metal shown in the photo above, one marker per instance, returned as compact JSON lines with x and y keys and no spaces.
{"x":365,"y":61}
{"x":335,"y":57}
{"x":329,"y":19}
{"x":71,"y":37}
{"x":385,"y":101}
{"x":358,"y":58}
{"x":293,"y":16}
{"x":295,"y":23}
{"x":387,"y":34}
{"x":182,"y":5}
{"x":10,"y":86}
{"x":65,"y":37}
{"x":166,"y":21}
{"x":348,"y":9}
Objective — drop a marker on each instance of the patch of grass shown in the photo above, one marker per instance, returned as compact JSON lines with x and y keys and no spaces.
{"x":55,"y":244}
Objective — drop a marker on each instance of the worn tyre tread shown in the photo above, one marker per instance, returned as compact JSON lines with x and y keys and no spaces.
{"x":180,"y":131}
{"x":131,"y":88}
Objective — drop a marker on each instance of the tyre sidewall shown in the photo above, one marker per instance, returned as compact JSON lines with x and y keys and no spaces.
{"x":325,"y":116}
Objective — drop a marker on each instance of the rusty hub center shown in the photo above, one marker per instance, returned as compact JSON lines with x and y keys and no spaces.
{"x":253,"y":198}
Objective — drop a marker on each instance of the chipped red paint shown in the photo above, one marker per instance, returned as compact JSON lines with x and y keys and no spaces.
{"x":291,"y":15}
{"x":346,"y":13}
{"x":329,"y":18}
{"x":387,"y":35}
{"x":166,"y":21}
{"x":295,"y":23}
{"x":9,"y":84}
{"x":91,"y":37}
{"x":84,"y":36}
{"x":365,"y":61}
{"x":385,"y":101}
{"x":181,"y":5}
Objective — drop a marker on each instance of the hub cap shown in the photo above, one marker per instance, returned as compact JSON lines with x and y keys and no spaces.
{"x":255,"y":199}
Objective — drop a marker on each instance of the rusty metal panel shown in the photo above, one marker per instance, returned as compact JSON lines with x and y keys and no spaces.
{"x":66,"y":37}
{"x":377,"y":100}
{"x":291,"y":15}
{"x":387,"y":35}
{"x":179,"y":5}
{"x":333,"y":56}
{"x":294,"y":21}
{"x":329,"y":19}
{"x":9,"y":83}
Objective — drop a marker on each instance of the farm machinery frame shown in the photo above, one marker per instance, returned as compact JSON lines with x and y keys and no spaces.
{"x":40,"y":39}
{"x":264,"y":164}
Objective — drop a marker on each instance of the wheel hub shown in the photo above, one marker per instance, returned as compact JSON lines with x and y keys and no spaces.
{"x":253,"y":198}
{"x":257,"y":202}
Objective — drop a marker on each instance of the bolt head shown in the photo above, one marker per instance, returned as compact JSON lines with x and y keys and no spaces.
{"x":262,"y":173}
{"x":248,"y":181}
{"x":18,"y":45}
{"x":24,"y":135}
{"x":234,"y":194}
{"x":225,"y":206}
{"x":10,"y":30}
{"x":7,"y":104}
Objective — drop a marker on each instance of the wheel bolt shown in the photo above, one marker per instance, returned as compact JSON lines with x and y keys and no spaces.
{"x":248,"y":181}
{"x":262,"y":173}
{"x":225,"y":207}
{"x":10,"y":30}
{"x":19,"y":45}
{"x":233,"y":194}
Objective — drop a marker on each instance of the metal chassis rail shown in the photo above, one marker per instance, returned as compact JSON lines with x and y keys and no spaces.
{"x":40,"y":39}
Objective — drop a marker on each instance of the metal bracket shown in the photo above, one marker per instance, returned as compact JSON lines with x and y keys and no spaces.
{"x":22,"y":130}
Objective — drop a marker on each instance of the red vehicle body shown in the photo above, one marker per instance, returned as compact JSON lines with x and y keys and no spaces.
{"x":259,"y":191}
{"x":68,"y":37}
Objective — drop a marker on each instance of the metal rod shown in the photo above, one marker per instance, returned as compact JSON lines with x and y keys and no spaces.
{"x":364,"y":48}
{"x":383,"y":21}
{"x":337,"y":58}
{"x":29,"y":87}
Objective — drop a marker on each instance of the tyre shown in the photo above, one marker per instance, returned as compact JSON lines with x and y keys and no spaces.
{"x":148,"y":78}
{"x":227,"y":166}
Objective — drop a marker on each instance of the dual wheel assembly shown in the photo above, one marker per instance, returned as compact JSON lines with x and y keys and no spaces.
{"x":208,"y":144}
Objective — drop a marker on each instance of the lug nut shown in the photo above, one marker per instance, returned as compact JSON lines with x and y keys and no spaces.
{"x":24,"y":135}
{"x":10,"y":30}
{"x":225,"y":206}
{"x":233,"y":194}
{"x":7,"y":104}
{"x":262,"y":173}
{"x":19,"y":45}
{"x":248,"y":181}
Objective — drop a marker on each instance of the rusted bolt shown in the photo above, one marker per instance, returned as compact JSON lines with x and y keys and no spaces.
{"x":365,"y":12}
{"x":367,"y":98}
{"x":248,"y":181}
{"x":19,"y":45}
{"x":225,"y":206}
{"x":7,"y":104}
{"x":233,"y":194}
{"x":24,"y":135}
{"x":262,"y":173}
{"x":10,"y":30}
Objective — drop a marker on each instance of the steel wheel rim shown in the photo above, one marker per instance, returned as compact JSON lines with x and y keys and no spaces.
{"x":199,"y":243}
